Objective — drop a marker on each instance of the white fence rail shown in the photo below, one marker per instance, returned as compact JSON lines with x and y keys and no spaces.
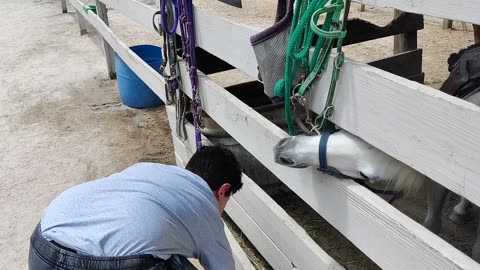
{"x":428,"y":130}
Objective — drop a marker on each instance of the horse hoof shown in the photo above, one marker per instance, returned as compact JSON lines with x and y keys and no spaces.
{"x":459,"y":219}
{"x":434,"y":227}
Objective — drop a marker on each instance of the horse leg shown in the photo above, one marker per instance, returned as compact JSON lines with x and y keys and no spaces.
{"x":461,"y":211}
{"x":476,"y":247}
{"x":436,"y":195}
{"x":476,"y":33}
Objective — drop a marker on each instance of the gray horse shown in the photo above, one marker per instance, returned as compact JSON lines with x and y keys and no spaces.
{"x":354,"y":157}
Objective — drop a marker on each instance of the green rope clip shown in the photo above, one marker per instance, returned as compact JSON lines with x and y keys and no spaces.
{"x":313,"y":64}
{"x":92,"y":8}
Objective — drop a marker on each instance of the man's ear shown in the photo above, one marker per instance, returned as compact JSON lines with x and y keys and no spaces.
{"x":222,"y":190}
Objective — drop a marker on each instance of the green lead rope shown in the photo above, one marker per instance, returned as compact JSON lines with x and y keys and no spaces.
{"x":302,"y":31}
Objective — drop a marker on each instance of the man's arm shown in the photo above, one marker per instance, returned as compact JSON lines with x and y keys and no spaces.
{"x":217,"y":255}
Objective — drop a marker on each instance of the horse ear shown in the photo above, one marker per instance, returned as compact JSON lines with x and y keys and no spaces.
{"x":452,"y":60}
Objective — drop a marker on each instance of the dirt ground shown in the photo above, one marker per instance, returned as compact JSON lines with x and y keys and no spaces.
{"x":61,"y":119}
{"x":62,"y":122}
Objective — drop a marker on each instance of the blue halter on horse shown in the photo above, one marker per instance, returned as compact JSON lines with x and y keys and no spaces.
{"x":322,"y":157}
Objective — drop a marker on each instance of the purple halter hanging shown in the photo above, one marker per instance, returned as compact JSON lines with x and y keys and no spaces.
{"x":183,"y":12}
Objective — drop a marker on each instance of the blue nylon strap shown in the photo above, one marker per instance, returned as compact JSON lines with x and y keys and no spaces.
{"x":322,"y":150}
{"x":322,"y":157}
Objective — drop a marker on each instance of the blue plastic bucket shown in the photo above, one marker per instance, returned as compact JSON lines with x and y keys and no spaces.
{"x":133,"y":91}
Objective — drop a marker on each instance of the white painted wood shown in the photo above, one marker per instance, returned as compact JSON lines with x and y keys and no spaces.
{"x":241,"y":259}
{"x":135,"y":10}
{"x":179,"y":161}
{"x":447,"y":24}
{"x":382,"y":232}
{"x":290,"y":238}
{"x":460,"y":10}
{"x":107,"y":49}
{"x":275,"y":223}
{"x":212,"y":33}
{"x":64,"y":6}
{"x":257,"y":237}
{"x":216,"y":35}
{"x":151,"y":77}
{"x":81,"y":23}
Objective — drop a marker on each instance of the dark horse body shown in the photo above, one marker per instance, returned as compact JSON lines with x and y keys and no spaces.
{"x":464,"y":83}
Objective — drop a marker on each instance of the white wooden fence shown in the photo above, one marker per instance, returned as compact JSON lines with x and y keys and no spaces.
{"x":420,"y":126}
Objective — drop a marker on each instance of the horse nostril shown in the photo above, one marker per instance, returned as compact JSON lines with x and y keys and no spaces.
{"x":286,"y":161}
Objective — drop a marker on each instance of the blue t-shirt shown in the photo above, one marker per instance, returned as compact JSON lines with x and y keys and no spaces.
{"x":148,"y":208}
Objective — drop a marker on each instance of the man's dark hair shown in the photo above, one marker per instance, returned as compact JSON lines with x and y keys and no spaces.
{"x":217,"y":166}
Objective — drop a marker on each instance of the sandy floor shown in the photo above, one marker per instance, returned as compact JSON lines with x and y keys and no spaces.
{"x":61,"y":120}
{"x":62,"y":123}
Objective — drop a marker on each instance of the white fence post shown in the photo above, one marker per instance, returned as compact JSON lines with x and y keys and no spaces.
{"x":81,"y":23}
{"x":109,"y":54}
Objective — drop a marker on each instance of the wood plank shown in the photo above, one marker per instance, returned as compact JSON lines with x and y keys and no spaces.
{"x":382,"y":232}
{"x":142,"y":14}
{"x":241,"y":260}
{"x":407,"y":41}
{"x":64,"y":6}
{"x":447,"y":24}
{"x":207,"y":29}
{"x":107,"y":49}
{"x":461,"y":10}
{"x":257,"y":237}
{"x":360,"y":30}
{"x":135,"y":10}
{"x":464,"y":10}
{"x":280,"y":228}
{"x":419,"y":77}
{"x":402,"y":64}
{"x":291,"y":239}
{"x":150,"y":76}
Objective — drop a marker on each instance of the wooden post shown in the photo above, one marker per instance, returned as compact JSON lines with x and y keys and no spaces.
{"x":404,"y":42}
{"x":362,"y":7}
{"x":81,"y":23}
{"x":109,"y":53}
{"x":64,"y":6}
{"x":447,"y":24}
{"x":476,"y":33}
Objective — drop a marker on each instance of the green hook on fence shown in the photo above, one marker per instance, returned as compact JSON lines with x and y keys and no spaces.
{"x":92,"y":8}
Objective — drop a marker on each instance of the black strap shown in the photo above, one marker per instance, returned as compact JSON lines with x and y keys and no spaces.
{"x":322,"y":157}
{"x":322,"y":150}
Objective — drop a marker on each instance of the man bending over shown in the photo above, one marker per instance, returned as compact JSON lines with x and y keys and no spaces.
{"x":149,"y":216}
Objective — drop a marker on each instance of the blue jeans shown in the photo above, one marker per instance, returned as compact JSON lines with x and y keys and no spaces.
{"x":46,"y":255}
